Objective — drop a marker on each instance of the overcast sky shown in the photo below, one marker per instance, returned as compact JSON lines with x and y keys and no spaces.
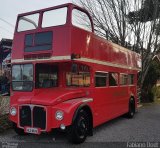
{"x":9,"y":9}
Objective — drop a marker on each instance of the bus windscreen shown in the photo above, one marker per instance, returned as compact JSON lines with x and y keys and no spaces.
{"x":28,"y":22}
{"x":50,"y":18}
{"x":22,"y":77}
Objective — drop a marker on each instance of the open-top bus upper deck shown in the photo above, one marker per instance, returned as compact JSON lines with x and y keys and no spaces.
{"x":65,"y":32}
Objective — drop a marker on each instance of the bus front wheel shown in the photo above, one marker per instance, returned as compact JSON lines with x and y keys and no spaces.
{"x":19,"y":131}
{"x":131,"y":111}
{"x":78,"y":131}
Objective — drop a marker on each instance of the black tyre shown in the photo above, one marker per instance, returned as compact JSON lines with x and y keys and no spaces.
{"x":78,"y":131}
{"x":19,"y":131}
{"x":131,"y":111}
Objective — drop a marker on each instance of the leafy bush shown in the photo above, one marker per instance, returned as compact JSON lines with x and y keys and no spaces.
{"x":3,"y":79}
{"x":147,"y":96}
{"x":149,"y":92}
{"x":157,"y":92}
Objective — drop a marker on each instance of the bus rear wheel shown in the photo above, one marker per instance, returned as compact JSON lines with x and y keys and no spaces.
{"x":78,"y":131}
{"x":131,"y":111}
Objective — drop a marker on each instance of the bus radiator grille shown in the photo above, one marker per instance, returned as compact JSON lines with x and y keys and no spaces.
{"x":34,"y":116}
{"x":25,"y":116}
{"x":39,"y":117}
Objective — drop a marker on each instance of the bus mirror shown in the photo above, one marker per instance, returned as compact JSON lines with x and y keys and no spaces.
{"x":75,"y":56}
{"x":74,"y":68}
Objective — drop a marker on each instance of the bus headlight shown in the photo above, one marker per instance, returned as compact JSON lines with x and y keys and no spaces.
{"x":59,"y":115}
{"x":13,"y":111}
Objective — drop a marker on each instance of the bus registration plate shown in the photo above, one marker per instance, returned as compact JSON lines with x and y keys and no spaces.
{"x":32,"y":130}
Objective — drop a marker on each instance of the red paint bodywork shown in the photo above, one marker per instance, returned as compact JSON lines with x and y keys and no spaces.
{"x":108,"y":102}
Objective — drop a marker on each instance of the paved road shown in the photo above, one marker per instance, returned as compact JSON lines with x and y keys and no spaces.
{"x":144,"y":127}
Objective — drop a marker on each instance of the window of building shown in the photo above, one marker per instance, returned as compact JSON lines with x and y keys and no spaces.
{"x":28,"y":22}
{"x":113,"y":79}
{"x":81,"y":20}
{"x":123,"y":79}
{"x":131,"y":79}
{"x":54,"y":17}
{"x":101,"y":79}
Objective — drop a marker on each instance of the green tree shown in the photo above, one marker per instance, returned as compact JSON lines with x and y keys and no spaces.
{"x":150,"y":81}
{"x":133,"y":24}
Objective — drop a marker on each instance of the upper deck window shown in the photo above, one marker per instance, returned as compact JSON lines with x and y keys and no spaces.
{"x":81,"y":20}
{"x":38,"y":42}
{"x":28,"y":22}
{"x":54,"y":17}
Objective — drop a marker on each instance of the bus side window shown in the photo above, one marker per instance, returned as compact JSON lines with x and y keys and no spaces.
{"x":81,"y":20}
{"x":131,"y":79}
{"x":46,"y":76}
{"x":123,"y":79}
{"x":79,"y":76}
{"x":113,"y":79}
{"x":101,"y":79}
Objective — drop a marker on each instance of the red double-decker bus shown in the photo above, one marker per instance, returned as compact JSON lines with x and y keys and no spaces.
{"x":64,"y":76}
